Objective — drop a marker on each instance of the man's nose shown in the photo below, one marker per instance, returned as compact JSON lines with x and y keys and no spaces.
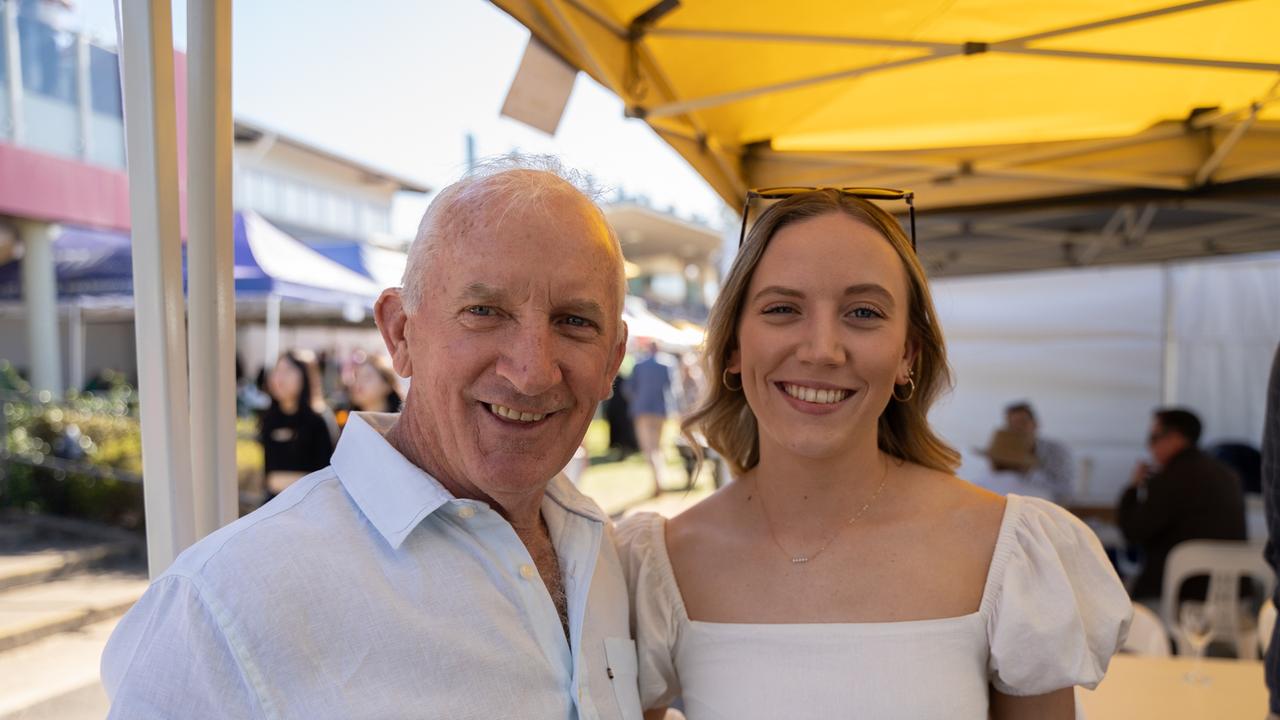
{"x":822,"y":346}
{"x":530,"y":363}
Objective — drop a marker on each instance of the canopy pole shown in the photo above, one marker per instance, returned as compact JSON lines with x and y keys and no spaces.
{"x":75,"y":345}
{"x":1169,"y":340}
{"x":271,"y":351}
{"x":40,"y":296}
{"x":151,"y":144}
{"x":210,"y":276}
{"x":13,"y":72}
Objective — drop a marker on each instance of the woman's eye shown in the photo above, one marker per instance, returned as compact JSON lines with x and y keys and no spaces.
{"x":778,"y":310}
{"x":866,"y":313}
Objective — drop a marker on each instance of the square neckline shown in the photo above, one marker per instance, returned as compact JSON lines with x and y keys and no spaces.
{"x":995,"y":571}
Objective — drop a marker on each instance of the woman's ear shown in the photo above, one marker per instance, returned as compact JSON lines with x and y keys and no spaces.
{"x":906,"y":367}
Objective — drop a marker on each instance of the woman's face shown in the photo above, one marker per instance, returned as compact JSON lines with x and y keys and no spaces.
{"x":368,"y":389}
{"x":822,"y":337}
{"x":285,"y":383}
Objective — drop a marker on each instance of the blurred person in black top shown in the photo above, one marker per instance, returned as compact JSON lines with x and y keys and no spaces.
{"x":296,"y":431}
{"x":1187,"y":495}
{"x":375,"y":387}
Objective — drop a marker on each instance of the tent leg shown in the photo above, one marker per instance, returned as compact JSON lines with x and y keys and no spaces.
{"x":146,"y":64}
{"x":75,"y":346}
{"x":271,"y":352}
{"x":210,"y":276}
{"x":1169,"y":340}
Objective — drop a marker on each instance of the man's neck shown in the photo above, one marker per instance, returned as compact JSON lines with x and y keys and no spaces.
{"x":523,"y":511}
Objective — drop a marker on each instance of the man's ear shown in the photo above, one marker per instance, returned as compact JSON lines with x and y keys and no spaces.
{"x":393,"y":320}
{"x":615,"y":362}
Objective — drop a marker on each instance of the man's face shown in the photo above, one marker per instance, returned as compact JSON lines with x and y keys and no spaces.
{"x":1164,"y":443}
{"x":516,"y":340}
{"x":1020,"y":421}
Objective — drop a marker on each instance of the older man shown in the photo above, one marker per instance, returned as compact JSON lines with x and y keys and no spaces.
{"x":440,"y":567}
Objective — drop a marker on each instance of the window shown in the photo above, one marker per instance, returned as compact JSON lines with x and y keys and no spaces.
{"x":104,"y":82}
{"x":48,"y":60}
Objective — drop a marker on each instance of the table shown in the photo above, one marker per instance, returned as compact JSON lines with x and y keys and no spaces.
{"x":1138,"y":688}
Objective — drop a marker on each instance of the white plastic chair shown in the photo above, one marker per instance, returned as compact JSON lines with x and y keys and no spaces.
{"x":1147,"y":635}
{"x":1225,"y":562}
{"x":1266,"y":625}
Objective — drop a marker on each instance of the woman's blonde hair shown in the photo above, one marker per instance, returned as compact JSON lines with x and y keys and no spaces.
{"x":723,"y":415}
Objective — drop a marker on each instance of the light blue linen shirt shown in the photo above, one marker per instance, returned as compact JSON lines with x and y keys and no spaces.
{"x":366,"y":590}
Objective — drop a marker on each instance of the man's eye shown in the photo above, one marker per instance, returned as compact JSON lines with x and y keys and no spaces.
{"x":481,"y":311}
{"x":578,"y":321}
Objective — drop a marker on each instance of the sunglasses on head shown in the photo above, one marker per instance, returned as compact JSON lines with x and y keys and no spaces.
{"x":865,"y":193}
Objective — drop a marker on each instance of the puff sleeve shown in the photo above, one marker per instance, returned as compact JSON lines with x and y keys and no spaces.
{"x":656,"y":607}
{"x":1059,"y":611}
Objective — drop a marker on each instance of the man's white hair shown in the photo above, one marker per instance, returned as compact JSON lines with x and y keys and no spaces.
{"x":503,"y":184}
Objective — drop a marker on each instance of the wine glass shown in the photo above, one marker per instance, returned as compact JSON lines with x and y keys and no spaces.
{"x":1196,"y":623}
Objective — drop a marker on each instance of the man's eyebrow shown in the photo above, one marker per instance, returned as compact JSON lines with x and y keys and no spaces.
{"x":481,"y":292}
{"x":583,"y":306}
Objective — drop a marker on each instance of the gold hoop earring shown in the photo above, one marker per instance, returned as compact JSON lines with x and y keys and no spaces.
{"x":724,"y":378}
{"x":911,"y":382}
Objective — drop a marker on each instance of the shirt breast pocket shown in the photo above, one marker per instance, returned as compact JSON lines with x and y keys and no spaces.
{"x":620,"y":656}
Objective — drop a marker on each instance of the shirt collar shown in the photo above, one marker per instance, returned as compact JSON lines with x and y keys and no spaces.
{"x":393,"y":493}
{"x":396,"y":495}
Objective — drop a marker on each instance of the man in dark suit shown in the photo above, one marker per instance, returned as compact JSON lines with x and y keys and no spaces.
{"x":1187,"y":496}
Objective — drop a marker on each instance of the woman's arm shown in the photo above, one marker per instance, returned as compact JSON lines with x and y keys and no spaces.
{"x":1056,"y":705}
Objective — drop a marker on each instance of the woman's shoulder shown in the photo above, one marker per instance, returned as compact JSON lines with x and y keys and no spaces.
{"x":709,"y":523}
{"x":942,"y":499}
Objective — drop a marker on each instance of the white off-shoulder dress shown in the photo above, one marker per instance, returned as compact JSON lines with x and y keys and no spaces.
{"x":1053,"y":613}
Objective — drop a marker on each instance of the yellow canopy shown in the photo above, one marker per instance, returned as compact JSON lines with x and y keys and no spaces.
{"x":968,"y":102}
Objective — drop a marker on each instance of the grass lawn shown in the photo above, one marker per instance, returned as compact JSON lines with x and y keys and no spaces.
{"x":619,"y":485}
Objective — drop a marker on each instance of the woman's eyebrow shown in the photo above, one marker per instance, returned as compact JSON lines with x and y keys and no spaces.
{"x":778,"y":290}
{"x":870,"y":289}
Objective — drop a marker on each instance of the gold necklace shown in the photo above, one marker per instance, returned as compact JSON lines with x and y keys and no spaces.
{"x":802,"y":559}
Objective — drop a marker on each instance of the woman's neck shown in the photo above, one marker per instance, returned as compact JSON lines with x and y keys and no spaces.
{"x":818,"y":489}
{"x":288,"y":406}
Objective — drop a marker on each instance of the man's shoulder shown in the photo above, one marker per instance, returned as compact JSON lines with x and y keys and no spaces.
{"x":308,"y":517}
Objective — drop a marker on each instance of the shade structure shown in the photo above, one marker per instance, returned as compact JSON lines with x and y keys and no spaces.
{"x":92,"y":262}
{"x":972,"y":103}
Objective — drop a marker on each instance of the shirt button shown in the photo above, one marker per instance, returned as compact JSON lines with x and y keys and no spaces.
{"x":527,"y":572}
{"x":466,"y":512}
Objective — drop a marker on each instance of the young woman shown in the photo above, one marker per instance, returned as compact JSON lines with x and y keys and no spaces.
{"x":375,"y":387}
{"x":296,"y":431}
{"x":848,"y":572}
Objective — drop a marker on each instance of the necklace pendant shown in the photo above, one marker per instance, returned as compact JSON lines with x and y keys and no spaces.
{"x":799,"y":560}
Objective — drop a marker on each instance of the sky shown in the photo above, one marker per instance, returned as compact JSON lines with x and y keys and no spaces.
{"x":398,"y":84}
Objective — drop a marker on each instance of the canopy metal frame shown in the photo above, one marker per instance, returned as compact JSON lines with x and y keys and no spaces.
{"x":677,"y":120}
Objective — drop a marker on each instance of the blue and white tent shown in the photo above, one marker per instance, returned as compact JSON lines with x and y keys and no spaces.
{"x":93,"y":263}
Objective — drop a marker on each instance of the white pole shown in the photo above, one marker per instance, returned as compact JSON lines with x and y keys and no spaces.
{"x":211,"y":284}
{"x":271,"y":352}
{"x":84,"y":103}
{"x":75,"y":344}
{"x":13,"y":71}
{"x":1169,"y":340}
{"x":40,"y":295}
{"x":151,"y":143}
